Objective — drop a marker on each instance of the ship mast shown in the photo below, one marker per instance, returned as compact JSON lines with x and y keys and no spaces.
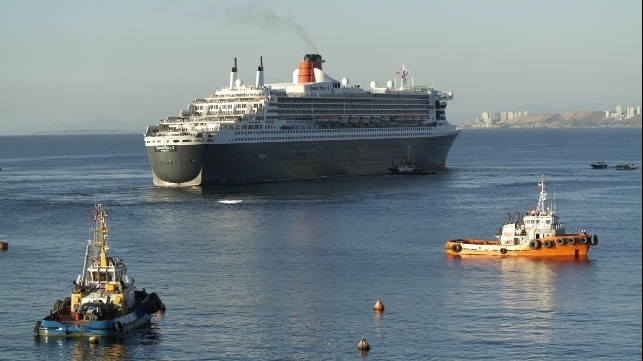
{"x":99,"y":235}
{"x":404,"y":72}
{"x":543,"y":196}
{"x":100,"y":238}
{"x":84,"y":272}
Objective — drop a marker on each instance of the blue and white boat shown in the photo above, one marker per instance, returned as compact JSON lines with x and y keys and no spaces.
{"x":625,"y":166}
{"x":104,"y":300}
{"x":599,"y":165}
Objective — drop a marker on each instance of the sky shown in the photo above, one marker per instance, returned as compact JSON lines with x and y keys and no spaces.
{"x":125,"y":64}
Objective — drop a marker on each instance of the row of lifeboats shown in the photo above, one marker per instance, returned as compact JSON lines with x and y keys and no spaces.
{"x":368,"y":118}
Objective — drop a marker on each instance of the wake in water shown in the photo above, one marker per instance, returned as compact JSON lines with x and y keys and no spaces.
{"x":230,"y":201}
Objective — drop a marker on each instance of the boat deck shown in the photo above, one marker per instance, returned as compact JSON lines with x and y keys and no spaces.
{"x":482,"y":242}
{"x":67,"y":319}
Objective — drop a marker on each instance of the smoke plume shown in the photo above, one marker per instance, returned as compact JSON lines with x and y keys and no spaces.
{"x":255,"y":13}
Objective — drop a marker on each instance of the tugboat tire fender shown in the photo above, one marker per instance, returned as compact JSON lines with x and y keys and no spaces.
{"x":456,"y":248}
{"x":57,"y":305}
{"x":36,"y":327}
{"x":118,"y":326}
{"x":503,"y":250}
{"x":534,"y":244}
{"x":154,"y":304}
{"x":572,"y":241}
{"x":156,"y":300}
{"x":584,"y":241}
{"x":151,"y":307}
{"x":594,"y":240}
{"x":547,"y":244}
{"x":560,"y":241}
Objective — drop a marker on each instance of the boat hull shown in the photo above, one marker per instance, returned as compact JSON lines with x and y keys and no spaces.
{"x":624,"y":167}
{"x":562,"y":246}
{"x":64,"y":325}
{"x":211,"y":164}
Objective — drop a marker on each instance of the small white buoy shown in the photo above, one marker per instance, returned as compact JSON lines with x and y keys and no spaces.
{"x":362,"y":345}
{"x":379,"y":306}
{"x":93,"y":339}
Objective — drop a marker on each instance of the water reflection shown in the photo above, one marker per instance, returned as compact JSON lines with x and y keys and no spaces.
{"x":532,"y":296}
{"x":520,"y":296}
{"x":106,"y":348}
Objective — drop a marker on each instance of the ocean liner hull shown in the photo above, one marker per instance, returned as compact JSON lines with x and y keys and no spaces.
{"x":212,"y":164}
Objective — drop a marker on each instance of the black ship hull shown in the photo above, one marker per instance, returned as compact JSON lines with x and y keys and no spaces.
{"x":213,"y":164}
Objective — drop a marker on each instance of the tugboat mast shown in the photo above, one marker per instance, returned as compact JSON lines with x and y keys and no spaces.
{"x":543,"y":196}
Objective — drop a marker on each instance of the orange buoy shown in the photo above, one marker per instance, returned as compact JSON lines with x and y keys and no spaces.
{"x":362,"y":345}
{"x":3,"y":245}
{"x":379,"y":306}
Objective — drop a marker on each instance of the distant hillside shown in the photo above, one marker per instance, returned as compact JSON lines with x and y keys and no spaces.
{"x":573,"y":119}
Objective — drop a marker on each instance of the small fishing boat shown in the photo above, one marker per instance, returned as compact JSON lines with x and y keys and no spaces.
{"x":599,"y":165}
{"x":104,"y":300}
{"x":408,"y":167}
{"x":625,"y":166}
{"x":537,"y":233}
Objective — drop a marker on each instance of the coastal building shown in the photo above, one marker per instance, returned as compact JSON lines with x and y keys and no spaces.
{"x":485,"y":120}
{"x":630,"y":112}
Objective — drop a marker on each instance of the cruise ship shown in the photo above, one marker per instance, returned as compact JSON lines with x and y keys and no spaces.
{"x":312,"y":127}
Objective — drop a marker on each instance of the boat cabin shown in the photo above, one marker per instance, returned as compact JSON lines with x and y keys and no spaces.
{"x":537,"y":223}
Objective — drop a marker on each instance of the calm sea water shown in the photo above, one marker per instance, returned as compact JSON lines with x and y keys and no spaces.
{"x":291,"y":271}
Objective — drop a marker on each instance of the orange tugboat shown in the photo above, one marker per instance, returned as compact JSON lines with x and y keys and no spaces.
{"x":537,"y":233}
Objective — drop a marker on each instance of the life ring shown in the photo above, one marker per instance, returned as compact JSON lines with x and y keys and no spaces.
{"x":534,"y":244}
{"x":547,"y":244}
{"x":584,"y":241}
{"x":503,"y":250}
{"x":572,"y":241}
{"x":560,"y":241}
{"x":456,"y":247}
{"x":594,"y":240}
{"x":118,"y":326}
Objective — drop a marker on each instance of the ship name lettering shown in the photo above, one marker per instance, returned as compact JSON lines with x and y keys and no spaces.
{"x":165,"y":148}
